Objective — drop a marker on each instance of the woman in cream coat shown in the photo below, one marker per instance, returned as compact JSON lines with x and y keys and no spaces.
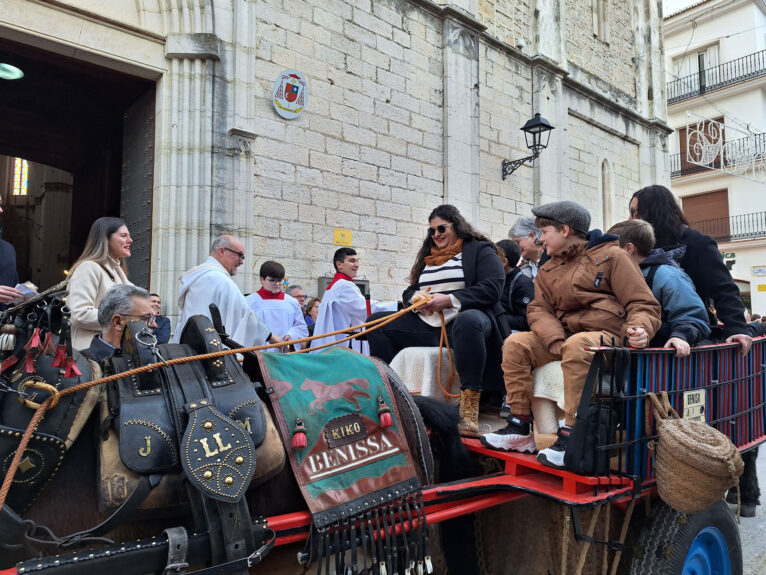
{"x":100,"y":266}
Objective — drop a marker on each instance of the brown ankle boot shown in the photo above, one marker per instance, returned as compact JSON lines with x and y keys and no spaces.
{"x":469,"y":413}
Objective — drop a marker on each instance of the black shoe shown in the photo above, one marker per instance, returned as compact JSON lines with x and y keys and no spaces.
{"x":553,"y":456}
{"x":747,"y":509}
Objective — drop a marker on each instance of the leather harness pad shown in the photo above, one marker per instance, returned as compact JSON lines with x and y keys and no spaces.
{"x":146,"y":427}
{"x":218,"y":454}
{"x":46,"y":450}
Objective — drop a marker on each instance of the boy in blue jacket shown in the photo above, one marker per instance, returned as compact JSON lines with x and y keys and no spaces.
{"x":684,"y":317}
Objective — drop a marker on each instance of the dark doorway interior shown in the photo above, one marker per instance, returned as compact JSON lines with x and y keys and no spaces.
{"x":66,"y":118}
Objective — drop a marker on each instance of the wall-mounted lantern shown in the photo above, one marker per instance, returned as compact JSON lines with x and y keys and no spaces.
{"x":537,"y":133}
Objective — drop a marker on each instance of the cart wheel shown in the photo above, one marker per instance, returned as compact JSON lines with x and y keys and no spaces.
{"x":704,"y":543}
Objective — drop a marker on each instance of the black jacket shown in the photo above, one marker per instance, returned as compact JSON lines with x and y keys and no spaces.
{"x":518,"y":292}
{"x":484,"y":281}
{"x":8,"y":274}
{"x":704,"y":265}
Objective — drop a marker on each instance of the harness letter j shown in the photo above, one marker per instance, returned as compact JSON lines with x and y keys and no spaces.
{"x":147,"y":449}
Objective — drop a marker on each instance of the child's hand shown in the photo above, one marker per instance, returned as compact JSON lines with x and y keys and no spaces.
{"x":681,"y":346}
{"x":637,"y":337}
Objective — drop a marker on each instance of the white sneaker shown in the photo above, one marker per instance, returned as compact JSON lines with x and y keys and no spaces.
{"x":516,"y":436}
{"x":553,"y":456}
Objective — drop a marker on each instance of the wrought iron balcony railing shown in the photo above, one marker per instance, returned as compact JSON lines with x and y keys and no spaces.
{"x":742,"y":227}
{"x":726,"y":74}
{"x":739,"y":151}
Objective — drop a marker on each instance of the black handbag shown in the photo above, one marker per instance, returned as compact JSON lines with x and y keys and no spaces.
{"x":596,"y":423}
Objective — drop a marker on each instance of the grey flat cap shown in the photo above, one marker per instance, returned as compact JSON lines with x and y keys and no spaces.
{"x":569,"y":213}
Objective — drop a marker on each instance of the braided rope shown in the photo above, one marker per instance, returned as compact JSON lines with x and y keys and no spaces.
{"x":418,"y":300}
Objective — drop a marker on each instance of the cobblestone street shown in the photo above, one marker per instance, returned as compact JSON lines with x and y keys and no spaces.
{"x":753,"y":531}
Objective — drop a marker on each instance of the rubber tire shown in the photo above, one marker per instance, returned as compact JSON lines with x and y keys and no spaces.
{"x":664,"y":542}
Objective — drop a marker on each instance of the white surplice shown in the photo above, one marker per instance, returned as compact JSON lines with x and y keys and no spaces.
{"x":211,"y":283}
{"x":343,"y":306}
{"x":282,"y":316}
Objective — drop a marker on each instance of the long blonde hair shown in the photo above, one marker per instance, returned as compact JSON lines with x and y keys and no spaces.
{"x":97,"y":245}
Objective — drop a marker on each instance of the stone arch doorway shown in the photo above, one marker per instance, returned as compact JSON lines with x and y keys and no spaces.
{"x":86,"y":134}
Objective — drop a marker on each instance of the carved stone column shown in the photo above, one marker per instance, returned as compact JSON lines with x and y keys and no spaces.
{"x":461,"y":120}
{"x":182,"y":187}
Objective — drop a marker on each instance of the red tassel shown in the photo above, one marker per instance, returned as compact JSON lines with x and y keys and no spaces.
{"x":48,"y":344}
{"x":12,"y":360}
{"x":34,"y":341}
{"x":71,"y":368}
{"x":384,"y":412}
{"x":59,"y":360}
{"x":299,"y":434}
{"x":29,"y":363}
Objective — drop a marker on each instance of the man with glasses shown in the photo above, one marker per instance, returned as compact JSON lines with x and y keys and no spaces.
{"x":279,"y":311}
{"x":162,"y":331}
{"x":121,"y":304}
{"x":297,"y":292}
{"x":211,"y":283}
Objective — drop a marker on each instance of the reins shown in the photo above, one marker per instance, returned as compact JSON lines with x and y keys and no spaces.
{"x":443,"y":342}
{"x":418,"y":300}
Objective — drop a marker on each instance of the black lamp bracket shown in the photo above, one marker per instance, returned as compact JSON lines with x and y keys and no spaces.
{"x":510,"y":166}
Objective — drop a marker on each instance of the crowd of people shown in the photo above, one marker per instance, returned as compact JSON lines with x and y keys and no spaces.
{"x":546,"y":293}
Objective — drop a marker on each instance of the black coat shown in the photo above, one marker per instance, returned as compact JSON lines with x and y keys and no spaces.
{"x":484,"y":280}
{"x":704,"y":265}
{"x":516,"y":295}
{"x":8,"y":274}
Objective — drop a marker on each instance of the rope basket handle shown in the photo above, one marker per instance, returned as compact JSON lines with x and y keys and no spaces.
{"x":662,"y":408}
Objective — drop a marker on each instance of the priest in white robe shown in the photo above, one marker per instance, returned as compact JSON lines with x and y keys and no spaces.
{"x":343,"y":304}
{"x":210,"y":282}
{"x":279,"y":311}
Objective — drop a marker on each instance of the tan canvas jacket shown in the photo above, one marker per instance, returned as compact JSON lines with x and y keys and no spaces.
{"x":591,"y":289}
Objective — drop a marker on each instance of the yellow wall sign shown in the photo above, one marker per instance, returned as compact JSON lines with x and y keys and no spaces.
{"x":342,"y":237}
{"x":761,"y":287}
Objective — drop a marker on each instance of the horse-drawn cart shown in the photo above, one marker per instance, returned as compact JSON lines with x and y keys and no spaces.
{"x":358,"y":457}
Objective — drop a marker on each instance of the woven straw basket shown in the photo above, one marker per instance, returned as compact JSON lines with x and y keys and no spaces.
{"x":694,"y":463}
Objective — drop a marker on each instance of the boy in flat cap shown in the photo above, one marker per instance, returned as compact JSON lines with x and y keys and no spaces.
{"x":589,"y":289}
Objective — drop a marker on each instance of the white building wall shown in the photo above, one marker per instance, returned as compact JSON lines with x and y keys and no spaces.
{"x":743,"y":107}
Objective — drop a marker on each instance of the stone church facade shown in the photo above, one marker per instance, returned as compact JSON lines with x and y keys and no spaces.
{"x":412,"y":103}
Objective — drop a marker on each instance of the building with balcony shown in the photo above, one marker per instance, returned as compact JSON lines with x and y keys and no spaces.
{"x":715,"y":57}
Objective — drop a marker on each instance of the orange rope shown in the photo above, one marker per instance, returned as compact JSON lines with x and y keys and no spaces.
{"x":443,"y":341}
{"x":418,"y":301}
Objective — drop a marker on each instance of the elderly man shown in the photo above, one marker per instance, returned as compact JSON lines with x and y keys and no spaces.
{"x":121,"y":304}
{"x":525,"y":233}
{"x":297,"y":292}
{"x":210,"y":282}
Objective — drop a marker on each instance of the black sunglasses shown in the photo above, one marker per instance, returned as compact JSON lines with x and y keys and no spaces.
{"x":440,"y":228}
{"x":240,"y":255}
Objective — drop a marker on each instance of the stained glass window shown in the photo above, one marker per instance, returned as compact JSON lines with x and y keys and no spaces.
{"x":20,"y":177}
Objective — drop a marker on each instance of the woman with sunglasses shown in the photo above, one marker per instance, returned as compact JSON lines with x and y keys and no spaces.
{"x":100,"y":266}
{"x":466,"y":277}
